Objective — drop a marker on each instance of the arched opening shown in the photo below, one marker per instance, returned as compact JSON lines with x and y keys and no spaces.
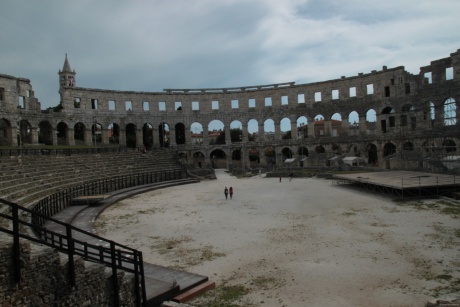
{"x":147,"y":135}
{"x":320,"y":149}
{"x":270,"y":155}
{"x":180,"y":133}
{"x":163,"y":134}
{"x":216,"y":132}
{"x":96,"y":133}
{"x":218,"y":159}
{"x":46,"y":133}
{"x":389,"y":149}
{"x":236,"y":132}
{"x":196,"y":133}
{"x":269,"y":130}
{"x":131,"y":135}
{"x":303,"y":155}
{"x":353,"y":123}
{"x":114,"y":133}
{"x":372,"y":157}
{"x":198,"y":159}
{"x":254,"y":157}
{"x":287,"y":153}
{"x":302,"y":127}
{"x":450,"y":112}
{"x":253,"y":130}
{"x":62,"y":130}
{"x":285,"y":126}
{"x":449,"y":146}
{"x":5,"y":133}
{"x":79,"y":133}
{"x":336,"y":125}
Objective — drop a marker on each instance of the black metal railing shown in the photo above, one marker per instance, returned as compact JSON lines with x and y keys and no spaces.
{"x":63,"y":151}
{"x":70,"y":242}
{"x":56,"y":202}
{"x":74,"y":241}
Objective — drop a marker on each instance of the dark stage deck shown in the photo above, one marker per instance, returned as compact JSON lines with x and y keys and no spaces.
{"x":404,"y":184}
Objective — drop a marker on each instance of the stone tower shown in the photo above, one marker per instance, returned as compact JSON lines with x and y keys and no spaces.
{"x":66,"y":76}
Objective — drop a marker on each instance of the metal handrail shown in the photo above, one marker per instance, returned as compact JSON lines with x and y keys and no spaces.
{"x":106,"y":252}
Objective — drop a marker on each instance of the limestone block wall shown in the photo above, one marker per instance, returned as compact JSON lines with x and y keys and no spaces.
{"x":44,"y":280}
{"x":408,"y":108}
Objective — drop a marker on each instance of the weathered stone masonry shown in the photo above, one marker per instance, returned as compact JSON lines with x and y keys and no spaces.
{"x":416,"y":117}
{"x":44,"y":280}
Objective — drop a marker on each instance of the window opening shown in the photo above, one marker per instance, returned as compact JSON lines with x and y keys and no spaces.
{"x":284,"y":100}
{"x":387,"y":91}
{"x":162,"y":106}
{"x":128,"y":105}
{"x":235,"y":104}
{"x":195,"y":105}
{"x":268,"y":101}
{"x":301,"y":98}
{"x":94,"y":104}
{"x":178,"y":105}
{"x":111,"y":105}
{"x":76,"y":103}
{"x":252,"y":103}
{"x":449,"y":73}
{"x":370,"y":89}
{"x":215,"y":105}
{"x":335,"y":94}
{"x":429,"y":77}
{"x":21,"y":102}
{"x":353,"y":91}
{"x":146,"y":106}
{"x":317,"y":96}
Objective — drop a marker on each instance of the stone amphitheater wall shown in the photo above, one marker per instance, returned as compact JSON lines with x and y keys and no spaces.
{"x":387,"y":89}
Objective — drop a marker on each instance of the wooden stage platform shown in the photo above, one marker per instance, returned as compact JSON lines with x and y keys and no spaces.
{"x":404,"y":184}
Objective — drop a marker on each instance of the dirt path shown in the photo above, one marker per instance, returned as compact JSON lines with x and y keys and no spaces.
{"x":305,"y":242}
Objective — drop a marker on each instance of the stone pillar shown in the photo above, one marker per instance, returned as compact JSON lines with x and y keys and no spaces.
{"x":227,"y":135}
{"x":362,"y":125}
{"x":260,"y":133}
{"x":172,"y":137}
{"x":205,"y":136}
{"x":378,"y":124}
{"x":187,"y":136}
{"x":277,"y":131}
{"x":156,"y":138}
{"x":34,"y":136}
{"x":14,"y":140}
{"x":327,"y":128}
{"x":245,"y":136}
{"x":263,"y":160}
{"x":311,"y":129}
{"x":345,"y":131}
{"x":55,"y":138}
{"x":139,"y":138}
{"x":122,"y":137}
{"x":71,"y":137}
{"x":293,"y":130}
{"x":88,"y":137}
{"x":105,"y":136}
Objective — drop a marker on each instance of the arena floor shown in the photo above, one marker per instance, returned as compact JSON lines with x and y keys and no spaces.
{"x":295,"y":243}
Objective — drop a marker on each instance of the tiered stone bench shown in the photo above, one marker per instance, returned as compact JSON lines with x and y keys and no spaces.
{"x":28,"y":179}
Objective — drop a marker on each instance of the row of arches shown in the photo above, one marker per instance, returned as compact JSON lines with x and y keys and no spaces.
{"x":214,"y":133}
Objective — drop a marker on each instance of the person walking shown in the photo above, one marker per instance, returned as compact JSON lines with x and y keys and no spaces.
{"x":280,"y":178}
{"x":230,"y":191}
{"x":226,"y":193}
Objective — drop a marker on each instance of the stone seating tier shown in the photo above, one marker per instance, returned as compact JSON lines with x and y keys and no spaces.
{"x":27,"y":179}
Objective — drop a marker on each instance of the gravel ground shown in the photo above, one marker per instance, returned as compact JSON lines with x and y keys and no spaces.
{"x":304,"y":242}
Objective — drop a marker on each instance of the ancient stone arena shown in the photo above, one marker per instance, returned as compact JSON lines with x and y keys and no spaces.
{"x":305,"y":242}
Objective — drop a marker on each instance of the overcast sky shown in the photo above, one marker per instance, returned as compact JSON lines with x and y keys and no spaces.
{"x":153,"y":45}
